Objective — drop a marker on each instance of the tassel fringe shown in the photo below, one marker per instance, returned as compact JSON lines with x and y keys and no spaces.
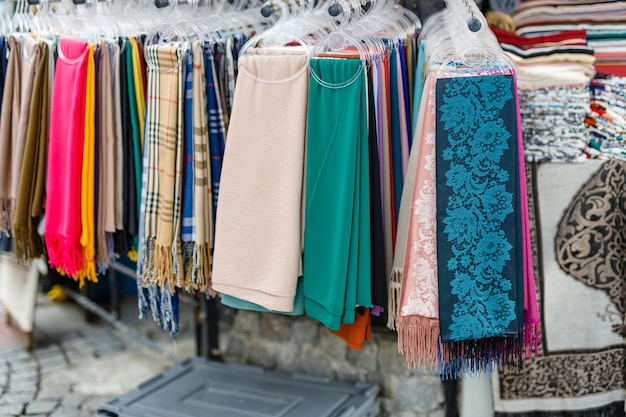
{"x":531,"y":339}
{"x":6,"y":214}
{"x":481,"y":355}
{"x":418,"y":340}
{"x":393,"y":298}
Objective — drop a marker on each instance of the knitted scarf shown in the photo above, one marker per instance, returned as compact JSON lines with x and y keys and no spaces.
{"x":28,"y":244}
{"x":162,"y":259}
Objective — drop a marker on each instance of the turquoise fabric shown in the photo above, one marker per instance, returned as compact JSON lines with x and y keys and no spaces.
{"x":337,"y":258}
{"x":477,"y":219}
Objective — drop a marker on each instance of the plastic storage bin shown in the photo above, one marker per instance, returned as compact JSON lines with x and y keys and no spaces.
{"x":201,"y":388}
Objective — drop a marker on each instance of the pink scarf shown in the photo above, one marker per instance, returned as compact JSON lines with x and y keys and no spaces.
{"x":418,"y":312}
{"x":65,"y":156}
{"x":531,"y":311}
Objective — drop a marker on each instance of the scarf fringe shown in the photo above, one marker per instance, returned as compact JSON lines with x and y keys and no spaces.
{"x":393,"y":298}
{"x":88,"y":271}
{"x":24,"y":248}
{"x":102,"y":255}
{"x":162,"y":267}
{"x":203,"y":266}
{"x":418,"y":341}
{"x":64,"y":254}
{"x":178,"y":269}
{"x":7,"y":206}
{"x":197,"y":266}
{"x":531,"y":339}
{"x":481,"y":355}
{"x":147,"y":272}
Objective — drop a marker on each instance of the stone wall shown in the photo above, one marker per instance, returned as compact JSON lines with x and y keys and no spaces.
{"x":302,"y":345}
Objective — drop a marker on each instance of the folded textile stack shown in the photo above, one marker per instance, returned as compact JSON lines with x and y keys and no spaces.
{"x":554,"y":71}
{"x":604,"y":23}
{"x":606,"y":123}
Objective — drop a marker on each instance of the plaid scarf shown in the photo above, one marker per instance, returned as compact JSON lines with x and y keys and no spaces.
{"x":202,"y":196}
{"x":162,"y":258}
{"x":28,"y":244}
{"x":187,"y":235}
{"x":216,"y":124}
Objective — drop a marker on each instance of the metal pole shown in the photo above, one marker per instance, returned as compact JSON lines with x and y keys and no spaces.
{"x":110,"y":318}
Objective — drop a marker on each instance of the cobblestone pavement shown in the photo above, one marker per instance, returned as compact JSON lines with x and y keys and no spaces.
{"x":72,"y":371}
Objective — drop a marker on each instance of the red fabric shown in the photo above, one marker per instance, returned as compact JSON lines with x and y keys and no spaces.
{"x":526,"y":42}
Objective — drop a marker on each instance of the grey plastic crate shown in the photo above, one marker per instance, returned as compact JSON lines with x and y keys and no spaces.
{"x":201,"y":388}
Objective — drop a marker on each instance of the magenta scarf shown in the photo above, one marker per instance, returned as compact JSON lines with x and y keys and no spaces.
{"x":65,"y":155}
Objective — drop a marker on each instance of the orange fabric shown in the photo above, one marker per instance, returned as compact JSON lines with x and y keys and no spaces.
{"x":357,"y":333}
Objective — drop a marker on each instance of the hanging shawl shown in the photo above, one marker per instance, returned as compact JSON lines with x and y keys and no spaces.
{"x":216,"y":125}
{"x":88,"y":177}
{"x":9,"y":120}
{"x":259,"y":219}
{"x":478,"y":227}
{"x":134,"y":149}
{"x":65,"y":157}
{"x":337,"y":257}
{"x":3,"y":65}
{"x":417,"y":321}
{"x":119,"y":144}
{"x":109,"y":142}
{"x":101,"y":61}
{"x":202,"y":196}
{"x":28,"y":244}
{"x":187,"y":234}
{"x":30,"y":60}
{"x":162,"y":258}
{"x":161,"y":301}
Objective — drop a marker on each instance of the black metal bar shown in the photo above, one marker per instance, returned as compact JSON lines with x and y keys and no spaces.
{"x":115,"y":293}
{"x":94,"y":308}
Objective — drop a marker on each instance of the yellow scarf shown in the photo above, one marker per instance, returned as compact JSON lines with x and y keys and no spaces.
{"x":87,"y":195}
{"x":139,"y":91}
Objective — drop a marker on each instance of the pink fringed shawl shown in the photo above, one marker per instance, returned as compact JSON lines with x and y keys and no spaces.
{"x":65,"y":155}
{"x":417,"y":322}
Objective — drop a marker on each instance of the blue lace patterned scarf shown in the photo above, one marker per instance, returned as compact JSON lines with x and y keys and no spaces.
{"x":478,"y":222}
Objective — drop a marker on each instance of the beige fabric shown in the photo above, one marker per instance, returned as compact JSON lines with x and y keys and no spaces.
{"x":9,"y":120}
{"x":119,"y":146}
{"x":258,"y":228}
{"x":109,"y":137}
{"x":30,"y":59}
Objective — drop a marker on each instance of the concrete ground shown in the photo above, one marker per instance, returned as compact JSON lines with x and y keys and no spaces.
{"x":77,"y":365}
